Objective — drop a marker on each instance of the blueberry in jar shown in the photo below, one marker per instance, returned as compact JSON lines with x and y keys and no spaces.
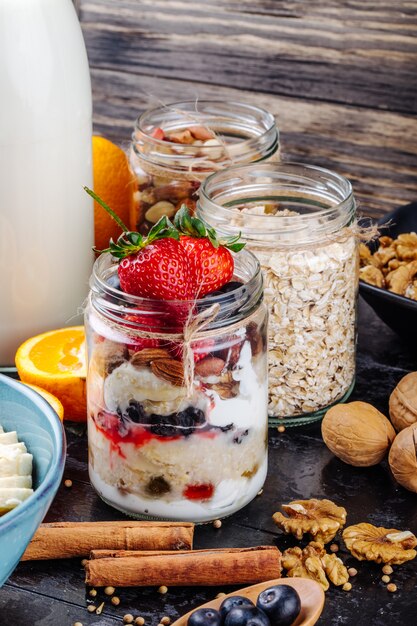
{"x":246,"y":616}
{"x":232,"y":602}
{"x":205,"y":617}
{"x":281,"y":603}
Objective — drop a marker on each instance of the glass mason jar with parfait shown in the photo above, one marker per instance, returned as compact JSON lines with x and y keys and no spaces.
{"x":175,"y":147}
{"x":299,"y":221}
{"x":177,"y":416}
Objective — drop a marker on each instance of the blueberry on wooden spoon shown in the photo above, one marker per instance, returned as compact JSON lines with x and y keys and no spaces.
{"x":281,"y":603}
{"x":232,"y":602}
{"x":246,"y":616}
{"x":205,"y":617}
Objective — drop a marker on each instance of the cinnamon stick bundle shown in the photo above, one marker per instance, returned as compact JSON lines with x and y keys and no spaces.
{"x":227,"y":566}
{"x":63,"y":540}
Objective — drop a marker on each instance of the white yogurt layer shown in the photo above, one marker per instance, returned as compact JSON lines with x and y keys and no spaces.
{"x":230,"y":496}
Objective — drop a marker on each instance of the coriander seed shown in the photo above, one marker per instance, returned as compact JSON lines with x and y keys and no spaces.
{"x":391,"y":587}
{"x":109,"y":591}
{"x":77,"y":624}
{"x":165,"y":621}
{"x":115,"y":601}
{"x":217,"y":523}
{"x":163,"y":589}
{"x":347,"y":587}
{"x":84,"y":562}
{"x":385,"y":578}
{"x":128,"y":618}
{"x":139,"y":621}
{"x":352,"y":571}
{"x":91,"y":608}
{"x":92,"y":593}
{"x":220,"y":595}
{"x":334,"y":547}
{"x":281,"y":429}
{"x":387,"y":569}
{"x":68,"y":483}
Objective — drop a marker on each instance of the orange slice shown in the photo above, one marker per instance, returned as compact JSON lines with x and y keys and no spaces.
{"x":56,"y":362}
{"x":50,"y":398}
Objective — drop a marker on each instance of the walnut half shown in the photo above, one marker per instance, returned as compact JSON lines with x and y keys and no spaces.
{"x":314,"y":562}
{"x":382,"y":545}
{"x":319,"y":518}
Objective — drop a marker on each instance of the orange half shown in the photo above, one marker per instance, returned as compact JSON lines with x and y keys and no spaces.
{"x":56,"y":362}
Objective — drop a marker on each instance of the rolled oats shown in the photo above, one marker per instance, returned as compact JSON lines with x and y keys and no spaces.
{"x":312,"y":299}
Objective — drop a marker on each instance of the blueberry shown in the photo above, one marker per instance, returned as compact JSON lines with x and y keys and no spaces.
{"x":246,"y":616}
{"x":281,"y":603}
{"x":182,"y":423}
{"x":205,"y":617}
{"x":134,"y":412}
{"x":232,"y":602}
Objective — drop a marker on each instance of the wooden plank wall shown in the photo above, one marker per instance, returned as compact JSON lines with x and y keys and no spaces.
{"x":340,"y":76}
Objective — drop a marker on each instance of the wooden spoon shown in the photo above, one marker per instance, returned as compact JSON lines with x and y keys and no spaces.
{"x":310,"y":592}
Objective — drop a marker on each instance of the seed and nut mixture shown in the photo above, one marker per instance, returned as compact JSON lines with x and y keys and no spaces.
{"x":311,"y":294}
{"x":393,"y":266}
{"x":162,"y":189}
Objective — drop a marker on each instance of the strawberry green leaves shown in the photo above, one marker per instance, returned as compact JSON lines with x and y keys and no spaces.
{"x":194,"y":227}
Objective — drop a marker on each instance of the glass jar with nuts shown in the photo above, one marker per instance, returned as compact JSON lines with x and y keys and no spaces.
{"x":175,"y":147}
{"x":299,"y":220}
{"x":177,"y":421}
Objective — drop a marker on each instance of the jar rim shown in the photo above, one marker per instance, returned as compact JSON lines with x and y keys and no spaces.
{"x":335,"y":188}
{"x":234,"y":305}
{"x":233,"y":103}
{"x":257,"y":125}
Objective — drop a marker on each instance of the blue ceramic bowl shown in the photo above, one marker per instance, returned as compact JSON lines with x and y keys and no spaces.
{"x":40,"y":428}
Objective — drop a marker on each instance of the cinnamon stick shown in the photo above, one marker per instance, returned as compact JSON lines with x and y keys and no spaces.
{"x":63,"y":540}
{"x":227,"y":566}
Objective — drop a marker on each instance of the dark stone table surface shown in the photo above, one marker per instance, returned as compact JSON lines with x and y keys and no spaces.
{"x":49,"y":593}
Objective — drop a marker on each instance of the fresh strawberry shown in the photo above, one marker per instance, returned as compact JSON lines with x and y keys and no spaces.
{"x":213,"y":267}
{"x":159,"y":270}
{"x":212,"y":263}
{"x":180,"y":261}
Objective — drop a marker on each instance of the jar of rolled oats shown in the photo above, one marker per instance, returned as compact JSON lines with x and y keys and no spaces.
{"x":299,"y":220}
{"x":175,"y":147}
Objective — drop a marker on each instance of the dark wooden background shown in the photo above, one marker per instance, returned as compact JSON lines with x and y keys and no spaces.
{"x":339,"y":75}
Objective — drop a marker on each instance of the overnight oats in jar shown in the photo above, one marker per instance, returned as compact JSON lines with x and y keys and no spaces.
{"x":175,"y":147}
{"x":177,"y":389}
{"x":299,"y":220}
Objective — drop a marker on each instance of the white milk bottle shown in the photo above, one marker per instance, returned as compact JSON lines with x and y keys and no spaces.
{"x":46,"y":218}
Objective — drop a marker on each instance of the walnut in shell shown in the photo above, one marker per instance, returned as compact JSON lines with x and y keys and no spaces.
{"x":403,"y":402}
{"x":403,"y":458}
{"x":357,"y":433}
{"x":319,"y":518}
{"x":314,"y":562}
{"x":382,"y":545}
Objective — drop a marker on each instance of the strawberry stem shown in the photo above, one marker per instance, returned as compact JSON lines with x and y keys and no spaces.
{"x":192,"y":226}
{"x":107,"y":208}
